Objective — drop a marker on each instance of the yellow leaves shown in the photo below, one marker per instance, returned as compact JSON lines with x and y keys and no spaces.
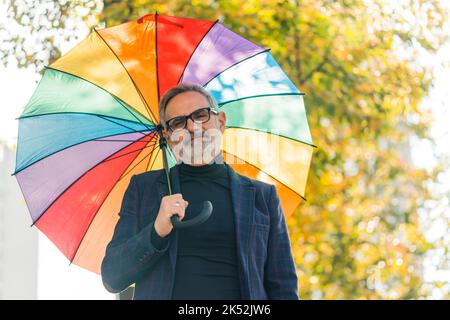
{"x":326,"y":249}
{"x":357,"y":236}
{"x":332,"y":178}
{"x":317,"y":79}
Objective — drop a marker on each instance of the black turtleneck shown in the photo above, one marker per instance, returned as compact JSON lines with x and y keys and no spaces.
{"x":207,"y":257}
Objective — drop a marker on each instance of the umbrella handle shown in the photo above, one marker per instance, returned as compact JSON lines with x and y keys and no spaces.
{"x":199,"y":219}
{"x":174,"y":181}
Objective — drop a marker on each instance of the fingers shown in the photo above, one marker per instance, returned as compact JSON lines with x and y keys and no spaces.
{"x":179,"y":211}
{"x":170,"y":205}
{"x":175,"y":205}
{"x":179,"y":201}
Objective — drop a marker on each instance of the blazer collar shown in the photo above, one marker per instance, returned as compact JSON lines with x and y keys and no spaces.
{"x":236,"y":180}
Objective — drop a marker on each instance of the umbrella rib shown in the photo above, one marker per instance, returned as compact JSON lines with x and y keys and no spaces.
{"x":248,"y":163}
{"x":130,"y":152}
{"x":99,"y":207}
{"x":87,"y":113}
{"x":125,"y":107}
{"x":115,"y":97}
{"x":279,"y":135}
{"x":156,"y":56}
{"x":221,"y":104}
{"x":122,"y":125}
{"x":78,"y":143}
{"x":75,"y":181}
{"x":249,"y":57}
{"x":195,"y":49}
{"x":157,"y":153}
{"x":119,"y":140}
{"x":147,"y":107}
{"x":156,"y":59}
{"x":150,"y":153}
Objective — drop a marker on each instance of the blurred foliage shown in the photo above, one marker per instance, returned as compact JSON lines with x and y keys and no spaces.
{"x":358,"y":236}
{"x":35,"y":29}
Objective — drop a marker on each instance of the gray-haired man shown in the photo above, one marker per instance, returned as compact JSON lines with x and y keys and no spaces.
{"x":241,"y":252}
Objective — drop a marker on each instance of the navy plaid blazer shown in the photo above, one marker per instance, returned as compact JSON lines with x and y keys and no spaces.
{"x":266,"y":266}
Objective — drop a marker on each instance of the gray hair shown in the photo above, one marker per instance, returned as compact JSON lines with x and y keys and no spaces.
{"x":181,"y":88}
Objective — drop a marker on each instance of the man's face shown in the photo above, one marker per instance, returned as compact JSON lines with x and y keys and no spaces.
{"x":197,"y":144}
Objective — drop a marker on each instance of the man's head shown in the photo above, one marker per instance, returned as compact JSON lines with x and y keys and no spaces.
{"x":192,"y":123}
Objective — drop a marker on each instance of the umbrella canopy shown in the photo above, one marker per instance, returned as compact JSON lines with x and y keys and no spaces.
{"x":92,"y":123}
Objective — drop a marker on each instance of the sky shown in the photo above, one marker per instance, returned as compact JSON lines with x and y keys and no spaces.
{"x":58,"y":280}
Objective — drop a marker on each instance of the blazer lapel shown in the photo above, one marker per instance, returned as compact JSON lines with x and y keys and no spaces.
{"x":243,"y":201}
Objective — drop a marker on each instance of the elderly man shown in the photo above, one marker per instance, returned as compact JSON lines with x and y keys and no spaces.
{"x":241,"y":252}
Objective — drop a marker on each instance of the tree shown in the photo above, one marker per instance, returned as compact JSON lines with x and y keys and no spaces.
{"x":34,"y":30}
{"x":358,"y":235}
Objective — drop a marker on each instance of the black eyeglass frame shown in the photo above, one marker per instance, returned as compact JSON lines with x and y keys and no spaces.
{"x":189,"y":116}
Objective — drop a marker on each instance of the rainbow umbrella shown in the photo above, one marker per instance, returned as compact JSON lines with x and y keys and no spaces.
{"x":92,"y":123}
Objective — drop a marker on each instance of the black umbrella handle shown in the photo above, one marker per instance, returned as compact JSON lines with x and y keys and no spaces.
{"x":174,"y":187}
{"x":199,"y":219}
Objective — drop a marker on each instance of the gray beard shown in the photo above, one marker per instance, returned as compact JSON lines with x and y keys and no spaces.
{"x":199,"y":150}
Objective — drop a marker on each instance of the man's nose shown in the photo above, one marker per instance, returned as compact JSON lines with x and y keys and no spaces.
{"x":190,"y":125}
{"x":194,"y":129}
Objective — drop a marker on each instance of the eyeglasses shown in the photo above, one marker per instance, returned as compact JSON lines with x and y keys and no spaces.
{"x":199,"y":116}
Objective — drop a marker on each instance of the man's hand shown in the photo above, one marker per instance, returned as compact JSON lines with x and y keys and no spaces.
{"x":170,"y":205}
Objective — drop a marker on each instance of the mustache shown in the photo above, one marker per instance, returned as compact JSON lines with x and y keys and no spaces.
{"x":187,"y":137}
{"x":192,"y":137}
{"x":192,"y":140}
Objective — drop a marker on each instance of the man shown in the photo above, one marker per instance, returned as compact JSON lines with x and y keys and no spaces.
{"x":241,"y":252}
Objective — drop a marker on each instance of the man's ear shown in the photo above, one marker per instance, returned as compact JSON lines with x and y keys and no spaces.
{"x":222,"y":121}
{"x":165,"y":134}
